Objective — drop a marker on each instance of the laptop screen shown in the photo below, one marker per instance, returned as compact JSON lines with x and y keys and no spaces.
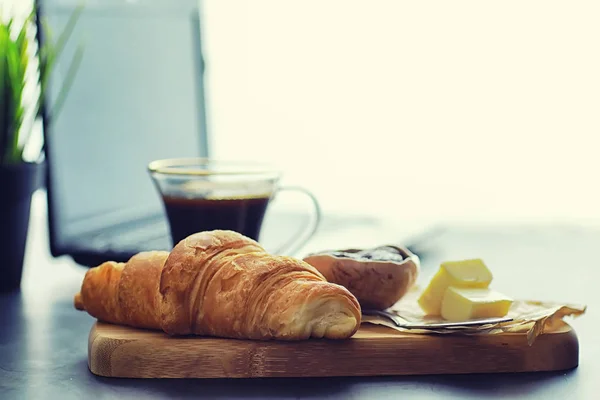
{"x":137,"y":96}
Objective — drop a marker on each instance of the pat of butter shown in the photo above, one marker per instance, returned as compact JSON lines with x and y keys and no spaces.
{"x":465,"y":273}
{"x":460,"y":304}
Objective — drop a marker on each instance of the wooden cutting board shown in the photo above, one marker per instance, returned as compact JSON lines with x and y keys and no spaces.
{"x":117,"y":351}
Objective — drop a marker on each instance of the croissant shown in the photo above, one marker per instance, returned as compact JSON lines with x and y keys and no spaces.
{"x":220,"y":283}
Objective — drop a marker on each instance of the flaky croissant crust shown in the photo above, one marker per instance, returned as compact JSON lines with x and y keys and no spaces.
{"x":220,"y":283}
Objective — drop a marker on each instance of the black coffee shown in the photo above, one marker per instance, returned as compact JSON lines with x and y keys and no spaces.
{"x":189,"y":216}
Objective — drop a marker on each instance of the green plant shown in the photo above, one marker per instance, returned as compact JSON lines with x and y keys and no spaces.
{"x":22,"y":65}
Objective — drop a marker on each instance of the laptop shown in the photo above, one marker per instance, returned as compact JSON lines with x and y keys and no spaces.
{"x":138,"y":96}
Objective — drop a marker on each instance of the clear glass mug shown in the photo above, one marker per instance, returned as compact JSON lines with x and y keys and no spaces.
{"x":201,"y":194}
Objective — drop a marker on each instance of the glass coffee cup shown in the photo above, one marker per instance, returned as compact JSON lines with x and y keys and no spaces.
{"x":201,"y":194}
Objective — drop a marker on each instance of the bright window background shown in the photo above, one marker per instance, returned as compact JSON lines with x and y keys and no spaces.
{"x":439,"y":110}
{"x":434,"y":110}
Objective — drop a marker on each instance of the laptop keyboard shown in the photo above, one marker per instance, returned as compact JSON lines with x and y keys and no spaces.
{"x":153,"y":235}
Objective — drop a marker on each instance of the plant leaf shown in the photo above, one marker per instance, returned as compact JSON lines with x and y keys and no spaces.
{"x":16,"y":75}
{"x":4,"y":95}
{"x":68,"y":30}
{"x":15,"y":71}
{"x":16,"y":148}
{"x":12,"y":96}
{"x":15,"y":62}
{"x":67,"y":84}
{"x":46,"y":56}
{"x":22,"y":46}
{"x":61,"y":42}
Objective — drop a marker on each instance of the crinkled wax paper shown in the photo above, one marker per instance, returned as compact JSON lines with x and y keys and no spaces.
{"x":528,"y":316}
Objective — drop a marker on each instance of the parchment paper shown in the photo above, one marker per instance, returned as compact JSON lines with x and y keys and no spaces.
{"x":530,"y":316}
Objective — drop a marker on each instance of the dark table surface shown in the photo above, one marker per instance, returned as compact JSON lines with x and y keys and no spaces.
{"x":43,"y":340}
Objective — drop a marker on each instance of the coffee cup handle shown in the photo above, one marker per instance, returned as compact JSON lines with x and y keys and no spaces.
{"x":296,"y":242}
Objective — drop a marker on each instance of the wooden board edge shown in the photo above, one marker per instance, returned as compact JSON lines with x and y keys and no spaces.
{"x":101,"y":350}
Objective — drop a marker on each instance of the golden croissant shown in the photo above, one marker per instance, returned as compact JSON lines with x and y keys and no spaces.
{"x":220,"y":283}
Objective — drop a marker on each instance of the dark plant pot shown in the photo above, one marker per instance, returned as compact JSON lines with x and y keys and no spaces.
{"x":17,"y":183}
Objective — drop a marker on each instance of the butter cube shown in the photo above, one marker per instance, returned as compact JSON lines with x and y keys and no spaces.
{"x":465,"y":273}
{"x":460,"y":304}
